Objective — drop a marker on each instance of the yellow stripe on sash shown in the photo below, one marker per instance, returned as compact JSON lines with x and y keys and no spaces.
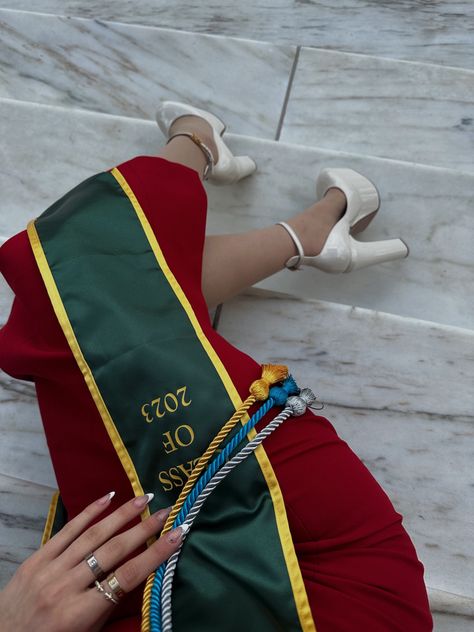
{"x":48,"y":527}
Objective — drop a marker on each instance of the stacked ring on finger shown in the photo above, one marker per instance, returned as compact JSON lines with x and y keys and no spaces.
{"x":94,"y":565}
{"x":114,"y":586}
{"x":107,"y":595}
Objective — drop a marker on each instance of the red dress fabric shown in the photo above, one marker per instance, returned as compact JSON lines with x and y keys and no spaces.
{"x":359,"y":566}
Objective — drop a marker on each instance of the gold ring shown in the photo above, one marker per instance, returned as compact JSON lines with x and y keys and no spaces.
{"x":114,"y":585}
{"x":106,"y":594}
{"x":94,"y":565}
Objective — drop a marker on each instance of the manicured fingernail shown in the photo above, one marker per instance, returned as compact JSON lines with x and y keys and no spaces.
{"x":106,"y":498}
{"x":177,"y":534}
{"x":141,"y":501}
{"x":162,"y":514}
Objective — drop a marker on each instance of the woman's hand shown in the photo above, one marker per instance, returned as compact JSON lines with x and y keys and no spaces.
{"x":54,"y":591}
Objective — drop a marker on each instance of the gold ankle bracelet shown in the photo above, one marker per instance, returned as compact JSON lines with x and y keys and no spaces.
{"x":204,"y":148}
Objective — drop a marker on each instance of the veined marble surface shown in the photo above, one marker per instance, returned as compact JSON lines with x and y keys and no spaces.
{"x":393,"y":109}
{"x":369,"y":105}
{"x":400,"y":392}
{"x":23,"y":449}
{"x":128,"y":70}
{"x":23,"y":510}
{"x":431,"y":208}
{"x":439,"y":32}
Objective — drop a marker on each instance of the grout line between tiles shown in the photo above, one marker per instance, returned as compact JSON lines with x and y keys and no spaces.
{"x":287,"y":94}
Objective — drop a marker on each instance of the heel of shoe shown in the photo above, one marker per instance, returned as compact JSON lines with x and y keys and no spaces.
{"x":371,"y":252}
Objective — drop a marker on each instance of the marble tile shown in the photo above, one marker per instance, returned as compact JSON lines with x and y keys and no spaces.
{"x":128,"y":70}
{"x":399,"y":391}
{"x":452,"y":623}
{"x":428,"y":207}
{"x":451,"y":613}
{"x":438,"y":32}
{"x":23,"y":511}
{"x":369,"y":105}
{"x":23,"y":450}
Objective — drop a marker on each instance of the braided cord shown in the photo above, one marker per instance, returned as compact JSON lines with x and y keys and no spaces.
{"x":153,"y":586}
{"x":199,"y":468}
{"x":278,"y":395}
{"x":204,"y":460}
{"x":259,"y":390}
{"x":221,"y":458}
{"x":166,"y":614}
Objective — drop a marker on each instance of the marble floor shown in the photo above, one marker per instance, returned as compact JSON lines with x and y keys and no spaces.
{"x":435,"y":32}
{"x":390,"y":348}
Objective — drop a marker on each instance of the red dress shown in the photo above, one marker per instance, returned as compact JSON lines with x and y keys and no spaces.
{"x":359,"y":566}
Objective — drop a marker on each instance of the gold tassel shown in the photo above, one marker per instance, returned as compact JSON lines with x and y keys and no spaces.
{"x":271,"y":373}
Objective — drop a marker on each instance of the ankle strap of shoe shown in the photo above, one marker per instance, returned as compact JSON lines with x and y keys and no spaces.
{"x":296,"y":260}
{"x":204,"y":148}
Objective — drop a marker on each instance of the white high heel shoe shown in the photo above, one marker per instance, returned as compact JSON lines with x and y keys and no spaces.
{"x":341,"y":252}
{"x":228,"y":168}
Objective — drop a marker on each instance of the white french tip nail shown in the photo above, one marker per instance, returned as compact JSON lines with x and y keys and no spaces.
{"x":185,"y":527}
{"x":150,"y":497}
{"x":111,"y":495}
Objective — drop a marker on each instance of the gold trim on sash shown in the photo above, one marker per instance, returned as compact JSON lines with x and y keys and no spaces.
{"x":294,"y":571}
{"x":66,"y":326}
{"x":48,"y":527}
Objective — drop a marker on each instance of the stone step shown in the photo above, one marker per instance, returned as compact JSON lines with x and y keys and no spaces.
{"x":451,"y":613}
{"x":428,"y":207}
{"x":399,"y":391}
{"x":437,"y":32}
{"x":23,"y":449}
{"x":24,"y":507}
{"x":358,"y":103}
{"x":382,"y":107}
{"x":128,"y":70}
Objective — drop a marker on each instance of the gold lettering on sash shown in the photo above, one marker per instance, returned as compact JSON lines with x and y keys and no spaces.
{"x":146,"y":414}
{"x":169,"y":403}
{"x":165,"y":481}
{"x":177,"y":475}
{"x":182,"y":437}
{"x":183,"y":391}
{"x":156,"y":402}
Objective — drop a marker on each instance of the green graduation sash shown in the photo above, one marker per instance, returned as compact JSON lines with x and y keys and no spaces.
{"x":163,"y":393}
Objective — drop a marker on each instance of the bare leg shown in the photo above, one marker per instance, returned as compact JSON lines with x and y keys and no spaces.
{"x":234,"y":262}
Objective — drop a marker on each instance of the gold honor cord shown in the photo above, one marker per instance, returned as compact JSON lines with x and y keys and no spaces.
{"x":294,"y":571}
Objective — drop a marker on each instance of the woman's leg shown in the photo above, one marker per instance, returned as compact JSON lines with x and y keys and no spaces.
{"x":234,"y":262}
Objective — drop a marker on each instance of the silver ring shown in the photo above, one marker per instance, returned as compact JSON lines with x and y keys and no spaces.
{"x":106,"y":594}
{"x":94,"y":565}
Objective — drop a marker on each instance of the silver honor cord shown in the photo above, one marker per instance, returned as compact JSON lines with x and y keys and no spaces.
{"x":296,"y":405}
